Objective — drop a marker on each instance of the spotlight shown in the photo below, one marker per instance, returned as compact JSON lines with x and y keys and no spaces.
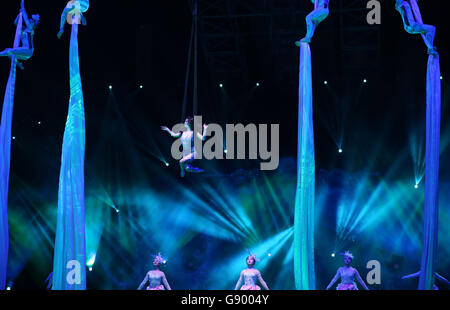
{"x":90,"y":268}
{"x":269,"y":254}
{"x":333,"y":255}
{"x":364,"y":81}
{"x":14,"y":138}
{"x":117,"y":210}
{"x":110,"y":87}
{"x":225,"y":151}
{"x":91,"y":261}
{"x":141,"y":87}
{"x":257,"y":84}
{"x":442,"y":77}
{"x":167,"y":164}
{"x":416,"y":186}
{"x":164,"y":261}
{"x":220,"y":85}
{"x":39,"y":122}
{"x":8,"y":288}
{"x":325,"y":82}
{"x":340,"y":150}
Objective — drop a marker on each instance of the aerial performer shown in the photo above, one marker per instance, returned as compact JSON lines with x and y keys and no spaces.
{"x":250,"y":275}
{"x":187,"y":141}
{"x":70,"y":241}
{"x":436,"y":275}
{"x":22,"y":49}
{"x":156,"y":276}
{"x":347,"y":275}
{"x":414,"y":26}
{"x":314,"y":18}
{"x":26,"y":48}
{"x":73,"y":14}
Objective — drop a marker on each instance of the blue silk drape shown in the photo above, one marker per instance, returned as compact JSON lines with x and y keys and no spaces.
{"x":70,"y":243}
{"x":432,"y":150}
{"x":431,"y":208}
{"x":305,"y":193}
{"x":5,"y":158}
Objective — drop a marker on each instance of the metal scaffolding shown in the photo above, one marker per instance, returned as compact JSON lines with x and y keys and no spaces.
{"x":234,"y":33}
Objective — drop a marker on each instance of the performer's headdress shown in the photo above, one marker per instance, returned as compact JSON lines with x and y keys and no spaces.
{"x":347,"y":254}
{"x":250,"y":254}
{"x":159,"y":258}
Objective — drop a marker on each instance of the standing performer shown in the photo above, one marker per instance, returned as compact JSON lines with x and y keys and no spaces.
{"x":436,"y":275}
{"x":26,"y":50}
{"x":250,"y":275}
{"x":314,"y":18}
{"x":187,"y":140}
{"x":347,"y":275}
{"x":154,"y":277}
{"x":413,"y":26}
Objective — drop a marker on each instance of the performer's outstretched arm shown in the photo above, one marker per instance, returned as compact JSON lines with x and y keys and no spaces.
{"x":238,"y":284}
{"x":203,"y":136}
{"x":166,"y":284}
{"x":63,"y":22}
{"x":336,"y":277}
{"x":361,"y":281}
{"x":25,"y":15}
{"x":175,"y":135}
{"x":261,"y":280}
{"x":413,"y":275}
{"x":441,"y":278}
{"x":144,"y":281}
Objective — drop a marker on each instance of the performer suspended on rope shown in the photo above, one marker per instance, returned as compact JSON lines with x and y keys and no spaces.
{"x":156,"y":276}
{"x":314,"y":19}
{"x":250,"y":275}
{"x":26,"y":50}
{"x":347,"y":275}
{"x":73,"y":10}
{"x":187,"y":141}
{"x":413,"y":26}
{"x":436,"y":275}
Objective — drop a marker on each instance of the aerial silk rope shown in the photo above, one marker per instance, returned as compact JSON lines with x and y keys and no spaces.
{"x":432,"y":149}
{"x":188,"y":68}
{"x":69,"y":265}
{"x":195,"y":99}
{"x":304,"y":198}
{"x":5,"y":157}
{"x":304,"y":270}
{"x":433,"y":123}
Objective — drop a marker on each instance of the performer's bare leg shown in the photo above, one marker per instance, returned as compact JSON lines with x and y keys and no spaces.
{"x":312,"y":21}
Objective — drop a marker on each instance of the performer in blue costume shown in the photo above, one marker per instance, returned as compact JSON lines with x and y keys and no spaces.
{"x":414,"y":27}
{"x":314,"y":18}
{"x":74,"y":11}
{"x":187,"y":140}
{"x":26,"y":49}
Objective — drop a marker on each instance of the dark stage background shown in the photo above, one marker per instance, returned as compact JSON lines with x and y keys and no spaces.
{"x":366,"y":201}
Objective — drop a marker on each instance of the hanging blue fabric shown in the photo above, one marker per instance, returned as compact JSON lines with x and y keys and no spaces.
{"x":304,"y":272}
{"x":413,"y":23}
{"x":69,"y":265}
{"x":431,"y":214}
{"x":304,"y":198}
{"x":5,"y":157}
